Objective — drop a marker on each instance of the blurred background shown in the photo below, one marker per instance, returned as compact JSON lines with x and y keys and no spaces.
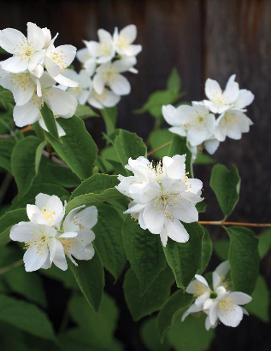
{"x":201,"y":38}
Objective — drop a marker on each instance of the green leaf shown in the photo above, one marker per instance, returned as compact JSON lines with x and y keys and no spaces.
{"x":6,"y":147}
{"x":38,"y":155}
{"x":128,"y":144}
{"x":144,"y":253}
{"x":16,"y":342}
{"x":6,"y":99}
{"x":225,"y":183}
{"x":221,"y":248}
{"x":89,"y":276}
{"x":264,"y":242}
{"x":185,"y":259}
{"x":172,"y":310}
{"x":77,"y":148}
{"x":191,"y":335}
{"x":55,"y":173}
{"x":84,"y":111}
{"x":174,"y":82}
{"x":259,"y":306}
{"x":110,"y":119}
{"x":26,"y":317}
{"x":49,"y":120}
{"x":203,"y":159}
{"x":23,"y":162}
{"x":108,"y":240}
{"x":26,"y":284}
{"x":98,"y":327}
{"x":161,"y":139}
{"x":143,"y":305}
{"x":107,"y":195}
{"x":156,"y":100}
{"x":149,"y":333}
{"x":244,"y":258}
{"x":207,"y":249}
{"x":7,"y":220}
{"x":95,"y":184}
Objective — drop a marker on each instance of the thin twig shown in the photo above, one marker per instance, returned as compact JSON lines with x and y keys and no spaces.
{"x":26,"y":129}
{"x":158,"y":148}
{"x":11,"y":266}
{"x":239,"y":224}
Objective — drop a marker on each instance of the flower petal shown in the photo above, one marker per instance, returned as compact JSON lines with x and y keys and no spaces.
{"x":120,"y":85}
{"x":14,"y":64}
{"x":26,"y":114}
{"x":61,"y":102}
{"x":35,"y":257}
{"x":11,"y":40}
{"x":23,"y":231}
{"x":176,"y":231}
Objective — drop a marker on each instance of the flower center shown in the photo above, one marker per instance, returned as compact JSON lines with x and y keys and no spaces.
{"x":105,"y":49}
{"x":67,"y":244}
{"x":225,"y":304}
{"x":122,"y":42}
{"x":200,"y":120}
{"x":39,"y":244}
{"x":48,"y":215}
{"x":109,"y":74}
{"x":26,"y":52}
{"x":200,"y":289}
{"x":22,"y":80}
{"x":219,"y":99}
{"x":58,"y":58}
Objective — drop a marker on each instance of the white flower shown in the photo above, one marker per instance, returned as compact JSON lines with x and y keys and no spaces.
{"x":62,"y":104}
{"x":162,"y":196}
{"x":83,"y":90}
{"x":225,"y":308}
{"x":218,"y":303}
{"x":123,"y":41}
{"x":109,"y":75}
{"x":49,"y":237}
{"x":79,"y":221}
{"x":232,"y":124}
{"x":193,"y":122}
{"x":27,"y":53}
{"x":231,"y":98}
{"x":87,"y":56}
{"x":199,"y":287}
{"x":43,"y":247}
{"x":106,"y":99}
{"x":105,"y":48}
{"x":47,"y":210}
{"x":22,"y":85}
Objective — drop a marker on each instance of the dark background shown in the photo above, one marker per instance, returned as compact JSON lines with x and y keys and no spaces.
{"x":208,"y":38}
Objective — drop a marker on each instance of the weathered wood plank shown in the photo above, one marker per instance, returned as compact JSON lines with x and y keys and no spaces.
{"x":237,"y":37}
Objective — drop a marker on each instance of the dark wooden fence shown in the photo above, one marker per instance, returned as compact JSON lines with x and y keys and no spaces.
{"x":208,"y":38}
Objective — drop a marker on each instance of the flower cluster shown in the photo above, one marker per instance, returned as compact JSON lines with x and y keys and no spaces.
{"x":198,"y":122}
{"x":34,"y":72}
{"x":219,"y":303}
{"x":50,"y":236}
{"x":100,"y":81}
{"x":162,"y":196}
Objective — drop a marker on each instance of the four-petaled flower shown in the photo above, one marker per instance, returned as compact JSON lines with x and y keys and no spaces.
{"x":219,"y":303}
{"x":49,"y":236}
